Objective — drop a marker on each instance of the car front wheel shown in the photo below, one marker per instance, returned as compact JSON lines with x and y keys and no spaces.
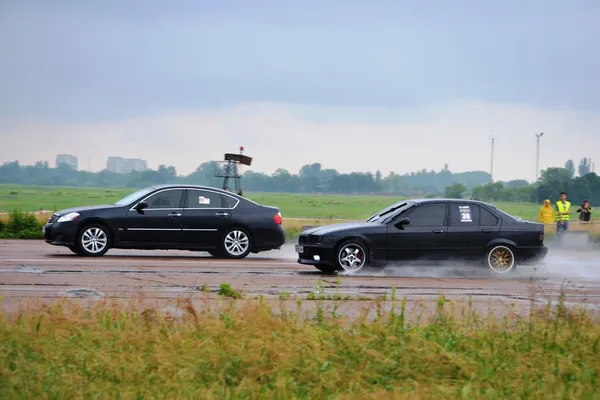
{"x":93,"y":241}
{"x":352,"y":256}
{"x":501,"y":259}
{"x":236,"y":243}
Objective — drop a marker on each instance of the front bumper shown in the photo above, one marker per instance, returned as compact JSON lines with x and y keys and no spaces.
{"x":315,"y":254}
{"x":60,"y":233}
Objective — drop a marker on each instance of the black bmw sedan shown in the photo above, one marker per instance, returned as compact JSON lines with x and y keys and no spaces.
{"x":182,"y":217}
{"x":431,"y":229}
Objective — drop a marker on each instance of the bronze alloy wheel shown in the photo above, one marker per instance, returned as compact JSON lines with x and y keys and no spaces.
{"x":501,"y":259}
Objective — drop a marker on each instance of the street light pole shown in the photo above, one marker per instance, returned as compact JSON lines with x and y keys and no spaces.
{"x":537,"y":157}
{"x":493,"y":140}
{"x":537,"y":165}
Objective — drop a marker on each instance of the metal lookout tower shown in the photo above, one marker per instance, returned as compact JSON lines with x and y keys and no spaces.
{"x":230,"y":170}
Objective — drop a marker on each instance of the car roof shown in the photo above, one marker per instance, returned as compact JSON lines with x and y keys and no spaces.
{"x":425,"y":201}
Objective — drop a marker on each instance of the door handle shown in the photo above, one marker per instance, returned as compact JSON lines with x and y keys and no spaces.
{"x":222,"y":214}
{"x":174,"y":214}
{"x":487,"y":230}
{"x":437,"y":232}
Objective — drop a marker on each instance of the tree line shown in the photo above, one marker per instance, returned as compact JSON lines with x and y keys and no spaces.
{"x":311,"y":178}
{"x":585,"y":186}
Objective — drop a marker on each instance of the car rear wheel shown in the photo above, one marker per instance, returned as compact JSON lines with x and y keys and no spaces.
{"x":501,"y":259}
{"x":93,"y":241}
{"x":236,"y":243}
{"x":352,"y":256}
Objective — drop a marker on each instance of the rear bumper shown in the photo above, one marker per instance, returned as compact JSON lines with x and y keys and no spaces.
{"x":533,"y":253}
{"x":268,"y":239}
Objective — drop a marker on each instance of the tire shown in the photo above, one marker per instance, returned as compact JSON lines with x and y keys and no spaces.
{"x":352,"y":256}
{"x":74,"y":250}
{"x":85,"y":244}
{"x":215,"y":253}
{"x":236,"y":243}
{"x":501,"y":259}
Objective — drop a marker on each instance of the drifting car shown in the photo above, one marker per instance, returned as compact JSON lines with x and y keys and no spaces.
{"x":178,"y":217}
{"x":430,"y":229}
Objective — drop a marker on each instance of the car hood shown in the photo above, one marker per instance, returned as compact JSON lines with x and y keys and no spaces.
{"x":335,"y":228}
{"x":86,"y":208}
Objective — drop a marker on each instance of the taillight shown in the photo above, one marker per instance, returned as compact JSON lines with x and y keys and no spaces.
{"x":541,"y":237}
{"x":278,"y":219}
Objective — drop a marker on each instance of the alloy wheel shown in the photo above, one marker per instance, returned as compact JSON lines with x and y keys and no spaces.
{"x":351,"y":257}
{"x":94,"y":240}
{"x":501,"y":259}
{"x":237,"y":243}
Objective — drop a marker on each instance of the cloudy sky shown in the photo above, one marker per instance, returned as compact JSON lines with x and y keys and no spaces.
{"x":358,"y":86}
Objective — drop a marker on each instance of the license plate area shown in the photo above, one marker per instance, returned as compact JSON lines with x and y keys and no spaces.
{"x":299,"y":249}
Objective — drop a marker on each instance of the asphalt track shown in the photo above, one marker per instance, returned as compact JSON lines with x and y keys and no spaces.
{"x":34,"y":270}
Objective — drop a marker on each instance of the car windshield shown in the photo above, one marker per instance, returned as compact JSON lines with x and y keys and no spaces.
{"x":402,"y":206}
{"x":133,"y":197}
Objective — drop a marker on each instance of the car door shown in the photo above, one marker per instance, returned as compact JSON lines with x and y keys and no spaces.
{"x":159,"y":223}
{"x":205,"y":218}
{"x":471,"y":227}
{"x":423,"y":237}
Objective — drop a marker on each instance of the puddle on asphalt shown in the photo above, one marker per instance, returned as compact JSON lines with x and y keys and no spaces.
{"x":84,"y":293}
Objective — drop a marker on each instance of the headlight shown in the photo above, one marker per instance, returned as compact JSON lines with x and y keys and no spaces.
{"x":68,"y":217}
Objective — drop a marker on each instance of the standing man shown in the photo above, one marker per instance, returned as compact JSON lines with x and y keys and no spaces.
{"x":585,"y":211}
{"x":563,"y":215}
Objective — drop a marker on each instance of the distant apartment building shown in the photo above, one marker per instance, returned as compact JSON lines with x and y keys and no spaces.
{"x":122,"y":165}
{"x":66,"y":159}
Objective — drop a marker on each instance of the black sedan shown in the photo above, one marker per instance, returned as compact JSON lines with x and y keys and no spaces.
{"x":432,"y":229}
{"x":170,"y":217}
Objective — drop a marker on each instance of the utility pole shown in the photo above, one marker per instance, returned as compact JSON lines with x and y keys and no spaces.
{"x":493,"y":140}
{"x":537,"y":156}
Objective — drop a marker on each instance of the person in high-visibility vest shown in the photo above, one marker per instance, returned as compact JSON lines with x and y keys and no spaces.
{"x":563,"y":214}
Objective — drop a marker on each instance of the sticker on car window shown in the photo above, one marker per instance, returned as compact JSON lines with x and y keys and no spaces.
{"x":465,"y":213}
{"x":204,"y":200}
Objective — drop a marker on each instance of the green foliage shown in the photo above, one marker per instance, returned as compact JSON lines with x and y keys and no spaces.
{"x":310,"y":179}
{"x":21,"y":225}
{"x":552,"y":182}
{"x":254,"y":351}
{"x":226,"y":290}
{"x":456,"y":191}
{"x":570,"y":166}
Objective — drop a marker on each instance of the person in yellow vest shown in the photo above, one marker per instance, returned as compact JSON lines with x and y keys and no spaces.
{"x":547,"y":214}
{"x":563,"y":215}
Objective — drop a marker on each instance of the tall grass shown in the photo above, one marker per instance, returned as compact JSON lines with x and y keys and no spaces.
{"x":249,"y":351}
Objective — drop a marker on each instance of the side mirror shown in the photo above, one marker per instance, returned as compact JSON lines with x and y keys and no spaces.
{"x":139,"y":207}
{"x":400,"y":224}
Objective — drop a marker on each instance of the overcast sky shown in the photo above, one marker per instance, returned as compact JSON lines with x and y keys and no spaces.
{"x":356,"y":85}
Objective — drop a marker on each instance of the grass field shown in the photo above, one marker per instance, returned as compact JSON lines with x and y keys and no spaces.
{"x":34,"y":198}
{"x":245,"y":350}
{"x":298,"y":210}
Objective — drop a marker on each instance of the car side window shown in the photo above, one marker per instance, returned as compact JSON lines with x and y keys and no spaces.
{"x":464,"y":214}
{"x":203,"y":199}
{"x":165,"y":199}
{"x":487,"y":218}
{"x":428,"y":215}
